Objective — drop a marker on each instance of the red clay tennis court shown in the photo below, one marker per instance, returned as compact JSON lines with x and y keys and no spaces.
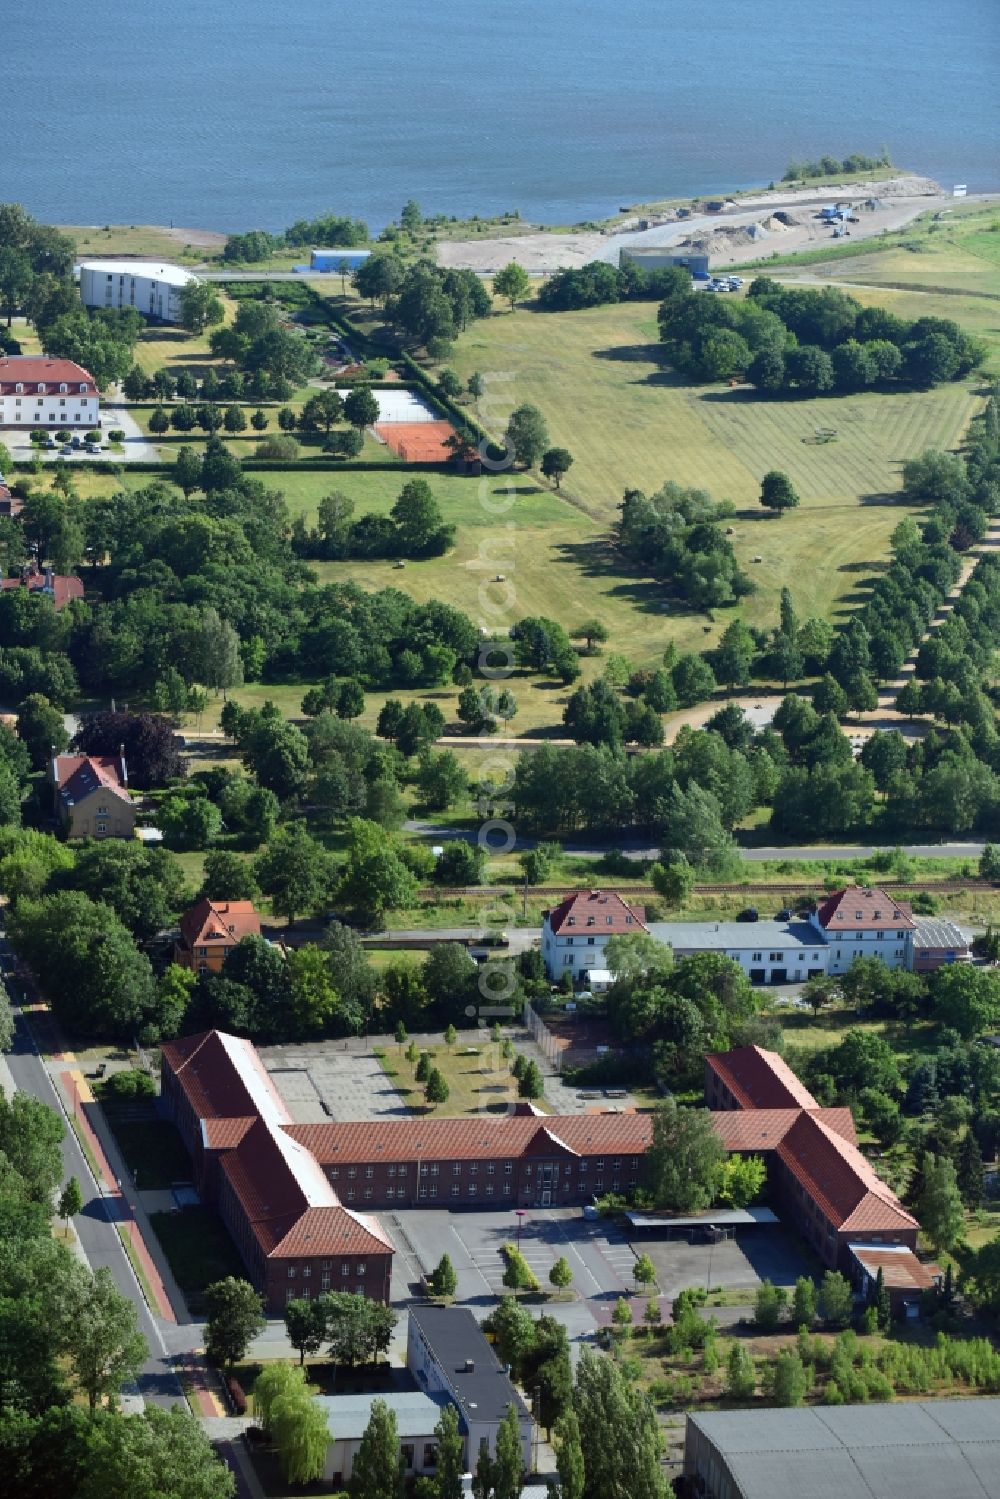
{"x":418,"y":442}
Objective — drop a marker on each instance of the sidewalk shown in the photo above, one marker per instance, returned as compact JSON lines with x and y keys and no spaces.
{"x":124,"y":1207}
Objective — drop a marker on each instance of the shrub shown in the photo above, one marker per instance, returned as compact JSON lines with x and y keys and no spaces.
{"x":116,"y":435}
{"x":132,"y":1083}
{"x":63,"y":434}
{"x":278,"y":445}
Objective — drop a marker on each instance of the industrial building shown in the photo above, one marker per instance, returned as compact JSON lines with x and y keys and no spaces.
{"x":942,"y":1449}
{"x":661,"y":257}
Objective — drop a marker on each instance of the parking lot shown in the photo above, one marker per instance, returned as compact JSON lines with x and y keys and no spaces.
{"x":763,"y":1253}
{"x":323,"y":1080}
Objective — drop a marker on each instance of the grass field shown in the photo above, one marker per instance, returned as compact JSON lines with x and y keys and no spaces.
{"x":478,"y":1079}
{"x":198,"y":1250}
{"x":93,"y":241}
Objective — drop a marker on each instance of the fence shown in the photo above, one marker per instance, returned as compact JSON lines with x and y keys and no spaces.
{"x":543,"y":1037}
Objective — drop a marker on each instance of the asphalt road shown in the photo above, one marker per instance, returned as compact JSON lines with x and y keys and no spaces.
{"x":157,"y":1382}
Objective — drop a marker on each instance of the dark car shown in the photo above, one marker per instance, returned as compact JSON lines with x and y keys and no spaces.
{"x":749,"y":913}
{"x":784,"y":914}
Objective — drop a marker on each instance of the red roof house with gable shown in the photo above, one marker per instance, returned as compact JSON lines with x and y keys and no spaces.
{"x":576,"y":932}
{"x":210,"y":930}
{"x":91,"y":796}
{"x":36,"y":391}
{"x":858,"y":922}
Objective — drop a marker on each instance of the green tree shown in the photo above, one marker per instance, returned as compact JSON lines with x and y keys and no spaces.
{"x":235,"y":1318}
{"x":569,"y":1457}
{"x":939,"y":1208}
{"x":769,"y":1304}
{"x":234,"y":420}
{"x":450,"y":1456}
{"x":531,"y":1084}
{"x":296,"y":871}
{"x":527,"y":435}
{"x":158,"y":1455}
{"x":674,"y":882}
{"x":40,"y":726}
{"x":443,"y":1281}
{"x":556,"y":462}
{"x":513,"y":1330}
{"x":511,"y":282}
{"x":104,"y":1346}
{"x":804,"y":1302}
{"x":70,"y":1200}
{"x":644,"y":1271}
{"x":436,"y":1089}
{"x":200,"y":305}
{"x":836,"y":1301}
{"x":619,"y":1433}
{"x":518,"y":1274}
{"x":741,"y":1373}
{"x":741,"y":1180}
{"x":777,"y":493}
{"x":159,"y":421}
{"x":305,"y":1325}
{"x":378,"y":1468}
{"x":561,"y":1275}
{"x":786,"y":1382}
{"x":361,"y":408}
{"x":301,"y":1435}
{"x":508,"y":1480}
{"x":593,"y":632}
{"x":970,"y":1173}
{"x":682,"y":1163}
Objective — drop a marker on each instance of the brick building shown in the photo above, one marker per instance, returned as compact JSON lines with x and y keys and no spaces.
{"x":210,"y":930}
{"x":295,"y":1237}
{"x":824,"y":1184}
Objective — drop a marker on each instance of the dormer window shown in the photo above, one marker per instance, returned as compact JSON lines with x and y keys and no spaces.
{"x":571,"y":921}
{"x":41,"y":388}
{"x":63,"y":388}
{"x":19,"y":387}
{"x":83,"y":389}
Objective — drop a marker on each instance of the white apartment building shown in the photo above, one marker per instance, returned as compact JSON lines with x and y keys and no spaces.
{"x":576,"y":932}
{"x":862,"y":923}
{"x":39,"y":392}
{"x":769,"y":952}
{"x":153,"y":290}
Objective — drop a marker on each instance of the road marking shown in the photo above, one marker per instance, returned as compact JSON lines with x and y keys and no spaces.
{"x":472,"y":1258}
{"x":573,"y":1250}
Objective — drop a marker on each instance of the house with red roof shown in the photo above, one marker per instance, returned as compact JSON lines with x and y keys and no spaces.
{"x":58,"y":587}
{"x":36,"y":391}
{"x":91,"y":796}
{"x":210,"y":930}
{"x":858,"y":922}
{"x":576,"y":932}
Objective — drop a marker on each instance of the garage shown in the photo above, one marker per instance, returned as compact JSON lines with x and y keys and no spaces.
{"x":779,"y":976}
{"x":757,"y":976}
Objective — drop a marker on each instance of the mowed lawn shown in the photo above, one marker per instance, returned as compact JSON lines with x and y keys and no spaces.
{"x":479,"y":1080}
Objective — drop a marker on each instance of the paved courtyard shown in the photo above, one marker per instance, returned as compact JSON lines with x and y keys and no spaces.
{"x":322,"y":1080}
{"x":765,"y":1253}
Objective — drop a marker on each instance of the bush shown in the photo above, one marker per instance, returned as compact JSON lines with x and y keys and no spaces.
{"x":63,"y":434}
{"x":133,"y":1083}
{"x":279,"y":445}
{"x":116,"y":435}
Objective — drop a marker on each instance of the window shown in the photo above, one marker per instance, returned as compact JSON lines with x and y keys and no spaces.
{"x":776,"y":957}
{"x":334,"y":1172}
{"x":755,"y":957}
{"x":19,"y":388}
{"x":583,"y":1167}
{"x":41,"y":390}
{"x":368,"y":1192}
{"x":291,"y":1272}
{"x":900,"y":935}
{"x":361,"y":1268}
{"x":590,"y":941}
{"x":472,"y":1189}
{"x":324,"y":1281}
{"x":615,"y":1183}
{"x":62,"y":399}
{"x":435,"y":1169}
{"x":390,"y":1192}
{"x":290,"y":1294}
{"x":392,"y":1171}
{"x":599,"y":1184}
{"x":423,"y":1191}
{"x":369,"y":1172}
{"x":880,"y":936}
{"x":434,"y":1191}
{"x":352,"y":1172}
{"x":345,"y":1268}
{"x":306,"y":1271}
{"x":489,"y":1189}
{"x":64,"y":388}
{"x":102,"y":811}
{"x":83,"y":390}
{"x":400,"y":1170}
{"x":430,"y":1454}
{"x":102,"y":827}
{"x":599,"y":1164}
{"x":455,"y":1189}
{"x":616,"y":1165}
{"x":506,"y":1189}
{"x":508,"y":1167}
{"x":406,"y":1452}
{"x":456,"y":1168}
{"x":491,"y":1169}
{"x":474,"y":1169}
{"x":350,"y":1194}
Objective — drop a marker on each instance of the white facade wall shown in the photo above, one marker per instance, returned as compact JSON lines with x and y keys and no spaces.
{"x":433,"y":1377}
{"x":894,"y":945}
{"x":61,"y":405}
{"x":768,"y":963}
{"x":153,"y":290}
{"x":575,"y":952}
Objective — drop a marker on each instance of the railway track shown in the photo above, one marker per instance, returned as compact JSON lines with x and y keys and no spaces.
{"x":785,"y":887}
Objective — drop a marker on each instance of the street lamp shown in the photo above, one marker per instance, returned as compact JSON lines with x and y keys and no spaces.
{"x":520,"y":1219}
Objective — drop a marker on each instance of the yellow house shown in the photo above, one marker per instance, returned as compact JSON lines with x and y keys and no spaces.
{"x":91,"y":796}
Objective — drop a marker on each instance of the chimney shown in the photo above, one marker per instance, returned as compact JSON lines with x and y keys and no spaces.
{"x":124,"y":771}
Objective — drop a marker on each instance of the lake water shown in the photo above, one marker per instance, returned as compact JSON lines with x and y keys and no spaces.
{"x":255,"y":112}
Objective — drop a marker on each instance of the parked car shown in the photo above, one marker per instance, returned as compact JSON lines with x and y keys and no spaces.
{"x":75,"y":440}
{"x":66,"y":450}
{"x":784,"y":914}
{"x":749,"y":913}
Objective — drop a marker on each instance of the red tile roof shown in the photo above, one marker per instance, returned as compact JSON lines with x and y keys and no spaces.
{"x":225,"y":1134}
{"x":32,"y":369}
{"x":839,"y":1179}
{"x":507,"y":1136}
{"x":597,"y":910}
{"x":764,"y":1129}
{"x":222,"y":1077}
{"x":856,"y":909}
{"x":760,"y":1079}
{"x":219,"y":923}
{"x":59,"y":587}
{"x":78,"y":776}
{"x":333,"y":1231}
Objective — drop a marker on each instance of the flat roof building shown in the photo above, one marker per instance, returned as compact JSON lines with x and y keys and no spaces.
{"x":447,"y":1351}
{"x":151,"y":287}
{"x":942,"y":1449}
